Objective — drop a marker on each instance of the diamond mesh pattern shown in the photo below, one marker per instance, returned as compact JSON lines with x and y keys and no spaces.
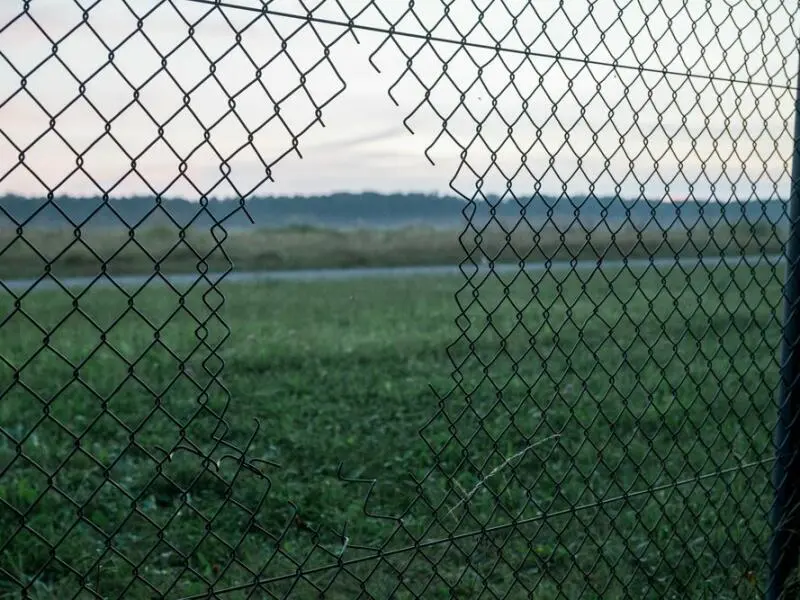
{"x":654,"y":482}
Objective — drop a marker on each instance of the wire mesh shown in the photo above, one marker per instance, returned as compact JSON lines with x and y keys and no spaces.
{"x":607,"y":432}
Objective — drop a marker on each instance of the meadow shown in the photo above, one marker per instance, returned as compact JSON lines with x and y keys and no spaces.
{"x":64,"y":252}
{"x":163,"y":441}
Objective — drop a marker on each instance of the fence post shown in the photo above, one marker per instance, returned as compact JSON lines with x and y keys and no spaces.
{"x":785,"y":541}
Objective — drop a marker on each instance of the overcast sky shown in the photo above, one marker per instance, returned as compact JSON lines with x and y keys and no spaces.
{"x":701,"y":132}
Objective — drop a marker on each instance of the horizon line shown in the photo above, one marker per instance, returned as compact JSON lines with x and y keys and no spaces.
{"x":504,"y":198}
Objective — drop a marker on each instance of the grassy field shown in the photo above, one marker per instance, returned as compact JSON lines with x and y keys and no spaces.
{"x":601,"y":385}
{"x":176,"y":251}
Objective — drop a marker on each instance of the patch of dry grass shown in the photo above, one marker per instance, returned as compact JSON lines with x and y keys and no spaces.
{"x":66,"y":252}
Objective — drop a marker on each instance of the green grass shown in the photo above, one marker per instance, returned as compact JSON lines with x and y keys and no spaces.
{"x":31,"y":252}
{"x":646,"y":382}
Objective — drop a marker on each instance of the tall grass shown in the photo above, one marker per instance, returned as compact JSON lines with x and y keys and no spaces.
{"x":170,"y":250}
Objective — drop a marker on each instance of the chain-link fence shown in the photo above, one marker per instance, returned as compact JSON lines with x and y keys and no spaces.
{"x":614,"y":369}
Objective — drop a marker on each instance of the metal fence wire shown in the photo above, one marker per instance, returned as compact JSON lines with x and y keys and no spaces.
{"x":608,"y":431}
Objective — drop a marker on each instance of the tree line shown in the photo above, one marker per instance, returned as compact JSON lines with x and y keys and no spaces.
{"x":374,"y":210}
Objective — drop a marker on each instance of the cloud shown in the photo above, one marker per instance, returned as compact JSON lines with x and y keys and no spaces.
{"x":367,"y":139}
